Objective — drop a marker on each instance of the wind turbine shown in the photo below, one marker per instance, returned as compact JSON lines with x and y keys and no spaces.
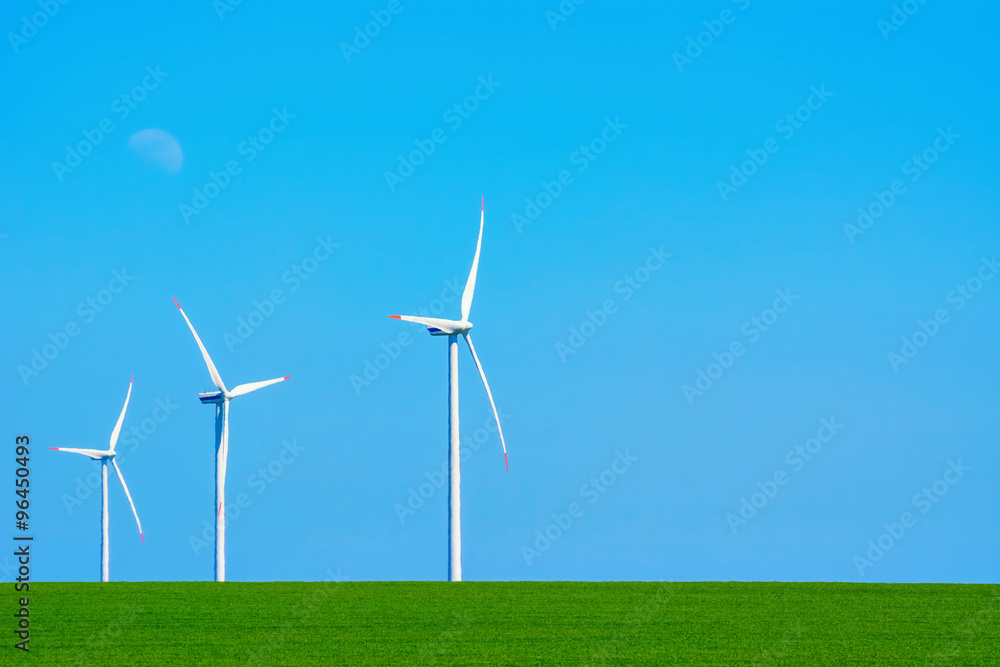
{"x":221,"y":400}
{"x":452,"y":329}
{"x":105,"y":455}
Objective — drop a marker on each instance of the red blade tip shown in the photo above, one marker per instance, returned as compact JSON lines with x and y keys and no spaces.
{"x":142,"y":538}
{"x":484,"y":202}
{"x":177,"y":304}
{"x":55,"y":448}
{"x":505,"y":461}
{"x":286,"y":377}
{"x":394,"y":317}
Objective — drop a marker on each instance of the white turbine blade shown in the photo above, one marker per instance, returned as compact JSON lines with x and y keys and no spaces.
{"x":216,"y":378}
{"x":129,"y":496}
{"x":241,"y":389}
{"x":447,"y":326}
{"x":489,"y":393}
{"x":470,"y":284}
{"x":121,"y":417}
{"x":92,"y":453}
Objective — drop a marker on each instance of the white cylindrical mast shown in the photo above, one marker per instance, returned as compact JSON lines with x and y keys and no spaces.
{"x":454,"y":474}
{"x":105,"y":544}
{"x":221,"y":450}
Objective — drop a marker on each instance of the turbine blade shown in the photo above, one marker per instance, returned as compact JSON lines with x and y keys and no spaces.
{"x":489,"y":393}
{"x":470,"y":284}
{"x":129,"y":496}
{"x":447,"y":326}
{"x":121,"y":417}
{"x":241,"y":389}
{"x":216,"y":378}
{"x":92,"y":453}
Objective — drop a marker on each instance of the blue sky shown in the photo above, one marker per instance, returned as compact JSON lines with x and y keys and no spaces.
{"x":694,"y":201}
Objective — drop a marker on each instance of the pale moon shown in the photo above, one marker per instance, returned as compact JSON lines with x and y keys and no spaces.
{"x":158,"y":148}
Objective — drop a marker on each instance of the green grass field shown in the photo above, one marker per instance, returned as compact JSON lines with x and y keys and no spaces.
{"x":523,"y":623}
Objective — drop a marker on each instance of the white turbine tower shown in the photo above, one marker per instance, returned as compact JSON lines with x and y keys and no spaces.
{"x":221,"y":400}
{"x":105,"y":455}
{"x":452,"y":329}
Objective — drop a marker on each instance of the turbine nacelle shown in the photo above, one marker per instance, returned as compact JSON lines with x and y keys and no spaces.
{"x":211,"y":397}
{"x":457,"y":327}
{"x":453,"y":327}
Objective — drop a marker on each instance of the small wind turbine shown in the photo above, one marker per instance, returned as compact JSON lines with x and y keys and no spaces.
{"x":221,"y":400}
{"x":105,"y":455}
{"x":452,"y":329}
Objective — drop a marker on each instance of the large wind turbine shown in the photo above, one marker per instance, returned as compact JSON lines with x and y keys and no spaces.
{"x":105,"y":455}
{"x":452,"y":329}
{"x":221,"y":400}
